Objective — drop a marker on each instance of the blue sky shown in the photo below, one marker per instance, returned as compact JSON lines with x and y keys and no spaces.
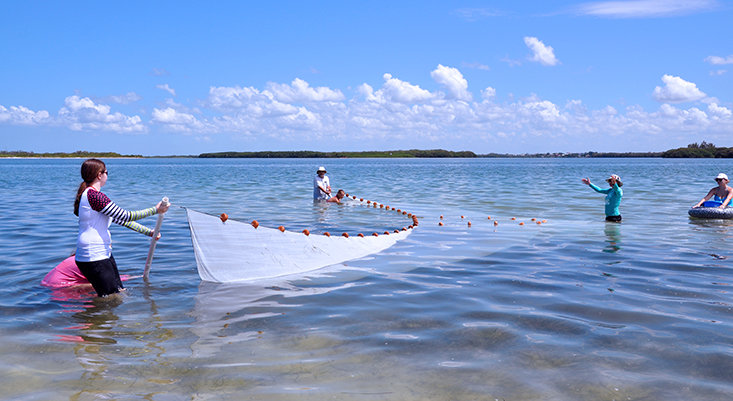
{"x":180,"y":78}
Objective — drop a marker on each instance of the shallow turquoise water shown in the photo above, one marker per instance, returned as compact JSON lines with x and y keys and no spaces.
{"x":574,"y":309}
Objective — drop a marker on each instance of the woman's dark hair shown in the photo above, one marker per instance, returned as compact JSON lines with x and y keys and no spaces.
{"x":90,"y":169}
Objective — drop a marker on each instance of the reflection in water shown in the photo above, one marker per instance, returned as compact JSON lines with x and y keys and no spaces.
{"x":721,"y":226}
{"x":111,"y":350}
{"x":613,"y":237}
{"x":222,"y":308}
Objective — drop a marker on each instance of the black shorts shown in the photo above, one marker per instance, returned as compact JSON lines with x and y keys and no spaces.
{"x":616,"y":219}
{"x":103,"y":275}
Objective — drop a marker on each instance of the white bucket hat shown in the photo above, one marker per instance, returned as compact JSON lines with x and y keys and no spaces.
{"x":321,"y":169}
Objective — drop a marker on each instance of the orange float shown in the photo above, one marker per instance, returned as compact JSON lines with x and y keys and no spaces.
{"x":327,"y":234}
{"x":255,"y":224}
{"x":514,"y":218}
{"x":521,"y":224}
{"x":496,"y":223}
{"x":282,"y":229}
{"x":375,"y":235}
{"x":306,"y":232}
{"x":224,"y":217}
{"x":345,"y":235}
{"x":360,"y":235}
{"x":440,"y":223}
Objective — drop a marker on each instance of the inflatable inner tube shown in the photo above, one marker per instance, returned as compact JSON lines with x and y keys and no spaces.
{"x":711,"y":213}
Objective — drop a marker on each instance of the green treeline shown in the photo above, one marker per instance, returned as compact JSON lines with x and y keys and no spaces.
{"x":306,"y":154}
{"x":701,"y":150}
{"x":78,"y":153}
{"x":693,"y":150}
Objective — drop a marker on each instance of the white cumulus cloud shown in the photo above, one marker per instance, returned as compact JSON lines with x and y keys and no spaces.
{"x":677,"y":90}
{"x":176,"y":121}
{"x":488,"y":93}
{"x":24,"y":116}
{"x":299,"y":91}
{"x":129,"y":97}
{"x":453,"y":81}
{"x":403,"y":92}
{"x":82,"y":114}
{"x":296,"y":113}
{"x":646,"y":8}
{"x":166,"y":88}
{"x":716,"y":60}
{"x":541,"y":53}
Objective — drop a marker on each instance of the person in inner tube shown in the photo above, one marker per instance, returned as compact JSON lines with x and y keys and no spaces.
{"x":613,"y":196}
{"x":339,"y":195}
{"x":721,"y":194}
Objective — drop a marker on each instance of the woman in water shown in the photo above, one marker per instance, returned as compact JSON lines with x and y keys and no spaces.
{"x":721,"y":194}
{"x":613,"y":196}
{"x":96,"y":212}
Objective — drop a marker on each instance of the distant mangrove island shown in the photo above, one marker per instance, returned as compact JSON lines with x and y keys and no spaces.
{"x":77,"y":154}
{"x":416,"y":153}
{"x":693,"y":150}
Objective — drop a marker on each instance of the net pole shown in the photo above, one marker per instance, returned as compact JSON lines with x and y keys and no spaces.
{"x":154,"y":240}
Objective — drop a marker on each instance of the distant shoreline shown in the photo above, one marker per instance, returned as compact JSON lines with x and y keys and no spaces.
{"x":691,"y":151}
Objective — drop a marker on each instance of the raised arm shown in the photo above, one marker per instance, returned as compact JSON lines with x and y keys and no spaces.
{"x":587,"y":182}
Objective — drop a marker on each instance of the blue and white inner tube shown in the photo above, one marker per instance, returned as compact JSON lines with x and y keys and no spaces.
{"x":711,"y":210}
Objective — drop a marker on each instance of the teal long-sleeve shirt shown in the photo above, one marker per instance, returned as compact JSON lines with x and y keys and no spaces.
{"x":613,"y":198}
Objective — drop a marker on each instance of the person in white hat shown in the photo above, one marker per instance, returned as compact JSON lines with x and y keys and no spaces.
{"x":722,"y":194}
{"x":321,"y":185}
{"x":613,"y":196}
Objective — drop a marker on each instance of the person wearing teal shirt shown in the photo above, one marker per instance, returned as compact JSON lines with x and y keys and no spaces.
{"x":613,"y":196}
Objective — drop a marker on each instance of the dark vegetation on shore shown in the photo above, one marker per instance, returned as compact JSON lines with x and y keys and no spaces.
{"x":412,"y":153}
{"x":693,"y":150}
{"x":78,"y":153}
{"x":304,"y":154}
{"x":700,"y":150}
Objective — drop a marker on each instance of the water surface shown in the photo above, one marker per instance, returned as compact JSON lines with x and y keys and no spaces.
{"x":574,"y":309}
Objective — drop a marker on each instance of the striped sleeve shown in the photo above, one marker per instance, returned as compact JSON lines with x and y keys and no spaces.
{"x":139,"y":228}
{"x":122,"y":216}
{"x":102,"y":204}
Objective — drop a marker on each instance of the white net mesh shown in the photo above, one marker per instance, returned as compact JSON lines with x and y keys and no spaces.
{"x":233,"y":251}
